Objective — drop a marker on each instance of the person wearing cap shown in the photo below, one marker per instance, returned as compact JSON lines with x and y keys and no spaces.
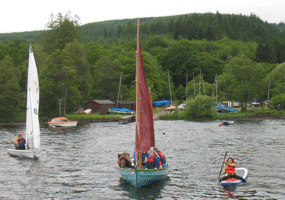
{"x":20,"y":141}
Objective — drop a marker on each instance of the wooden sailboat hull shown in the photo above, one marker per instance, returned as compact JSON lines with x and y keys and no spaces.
{"x":142,"y":177}
{"x":22,"y":153}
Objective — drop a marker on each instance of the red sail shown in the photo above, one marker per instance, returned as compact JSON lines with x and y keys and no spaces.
{"x":144,"y":113}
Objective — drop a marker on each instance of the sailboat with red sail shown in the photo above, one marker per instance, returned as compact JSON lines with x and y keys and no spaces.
{"x":139,"y":176}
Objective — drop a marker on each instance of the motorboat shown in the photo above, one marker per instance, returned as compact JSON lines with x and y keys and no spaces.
{"x":62,"y":122}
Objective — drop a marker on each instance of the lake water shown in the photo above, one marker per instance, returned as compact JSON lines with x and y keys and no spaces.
{"x":81,"y":162}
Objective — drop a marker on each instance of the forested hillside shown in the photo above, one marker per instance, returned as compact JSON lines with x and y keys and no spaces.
{"x":77,"y":63}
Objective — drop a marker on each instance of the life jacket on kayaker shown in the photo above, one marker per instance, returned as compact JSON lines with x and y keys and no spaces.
{"x":230,"y":169}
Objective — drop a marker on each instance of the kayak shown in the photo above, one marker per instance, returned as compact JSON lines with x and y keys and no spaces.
{"x":243,"y":172}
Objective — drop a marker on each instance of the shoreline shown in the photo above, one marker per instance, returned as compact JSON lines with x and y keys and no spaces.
{"x":155,"y":117}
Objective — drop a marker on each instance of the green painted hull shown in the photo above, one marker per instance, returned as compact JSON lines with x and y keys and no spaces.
{"x":142,"y":177}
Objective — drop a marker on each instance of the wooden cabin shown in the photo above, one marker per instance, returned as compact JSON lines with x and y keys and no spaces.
{"x":100,"y":106}
{"x":131,"y":105}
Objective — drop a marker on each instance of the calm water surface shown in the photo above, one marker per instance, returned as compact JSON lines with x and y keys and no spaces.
{"x":80,"y":163}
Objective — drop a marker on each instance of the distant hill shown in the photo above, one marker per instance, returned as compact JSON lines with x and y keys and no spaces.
{"x":209,"y":26}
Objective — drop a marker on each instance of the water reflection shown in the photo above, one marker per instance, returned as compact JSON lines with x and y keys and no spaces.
{"x":151,"y":191}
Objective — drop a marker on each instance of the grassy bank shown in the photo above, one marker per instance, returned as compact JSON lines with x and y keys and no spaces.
{"x":84,"y":116}
{"x":249,"y":113}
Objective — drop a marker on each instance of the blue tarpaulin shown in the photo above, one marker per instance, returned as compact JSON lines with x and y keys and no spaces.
{"x":161,"y":103}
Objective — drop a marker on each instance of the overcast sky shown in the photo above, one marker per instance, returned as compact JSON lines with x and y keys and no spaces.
{"x":21,"y":15}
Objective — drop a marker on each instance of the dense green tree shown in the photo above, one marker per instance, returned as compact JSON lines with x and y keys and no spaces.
{"x":180,"y":93}
{"x":58,"y":81}
{"x":277,"y":80}
{"x":199,"y":108}
{"x":241,"y":79}
{"x":62,"y":30}
{"x":278,"y":99}
{"x":77,"y":53}
{"x":9,"y":90}
{"x":106,"y":79}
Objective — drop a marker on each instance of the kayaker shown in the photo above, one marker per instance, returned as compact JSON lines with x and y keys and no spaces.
{"x":230,"y":170}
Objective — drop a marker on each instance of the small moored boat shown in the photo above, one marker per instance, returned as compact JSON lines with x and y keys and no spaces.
{"x":225,"y":122}
{"x":62,"y":122}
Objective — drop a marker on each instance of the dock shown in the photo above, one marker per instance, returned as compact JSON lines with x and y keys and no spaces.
{"x":127,"y":119}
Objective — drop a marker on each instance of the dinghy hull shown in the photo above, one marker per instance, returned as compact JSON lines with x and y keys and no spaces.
{"x":142,"y":177}
{"x":22,"y":153}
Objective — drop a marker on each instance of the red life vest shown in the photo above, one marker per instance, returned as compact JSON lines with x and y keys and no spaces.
{"x":119,"y":163}
{"x":150,"y":162}
{"x":230,"y":169}
{"x":162,"y":157}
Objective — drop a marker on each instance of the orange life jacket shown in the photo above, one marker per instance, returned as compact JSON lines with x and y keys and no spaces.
{"x":162,"y":157}
{"x":230,"y":169}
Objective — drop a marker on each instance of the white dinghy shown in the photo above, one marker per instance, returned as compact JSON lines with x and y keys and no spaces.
{"x":32,"y":118}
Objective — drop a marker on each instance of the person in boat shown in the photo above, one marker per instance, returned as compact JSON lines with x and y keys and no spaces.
{"x":16,"y":140}
{"x":145,"y":156}
{"x":124,"y":161}
{"x":119,"y":159}
{"x":160,"y":155}
{"x":20,"y":141}
{"x":152,"y":161}
{"x":230,"y":170}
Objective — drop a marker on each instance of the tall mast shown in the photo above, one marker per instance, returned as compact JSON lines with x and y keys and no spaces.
{"x":199,"y":81}
{"x":169,"y":87}
{"x":194,"y":84}
{"x":119,"y":90}
{"x":138,"y":98}
{"x":216,"y":80}
{"x":268,"y":91}
{"x":186,"y":83}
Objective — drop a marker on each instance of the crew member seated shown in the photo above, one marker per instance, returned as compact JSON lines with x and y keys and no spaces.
{"x":161,"y":157}
{"x":20,"y":142}
{"x":145,"y":156}
{"x":152,"y":161}
{"x":124,"y":160}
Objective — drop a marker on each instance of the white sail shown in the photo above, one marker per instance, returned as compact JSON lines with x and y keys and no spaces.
{"x":32,"y":118}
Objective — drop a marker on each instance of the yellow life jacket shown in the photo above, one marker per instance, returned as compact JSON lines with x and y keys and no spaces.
{"x":16,"y":141}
